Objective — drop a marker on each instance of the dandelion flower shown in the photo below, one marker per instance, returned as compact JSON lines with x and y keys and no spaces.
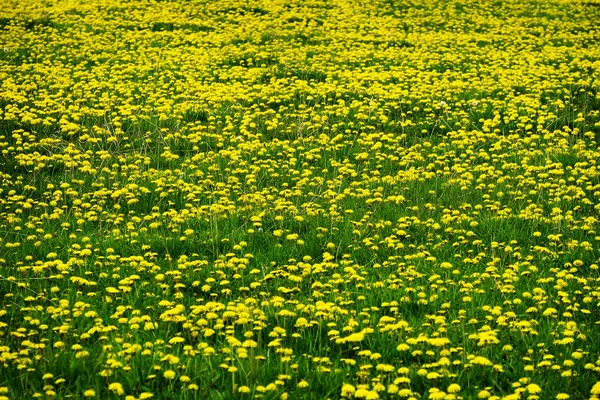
{"x":169,"y":374}
{"x":116,"y":388}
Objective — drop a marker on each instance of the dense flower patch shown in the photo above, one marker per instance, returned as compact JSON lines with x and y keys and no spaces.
{"x":299,"y":199}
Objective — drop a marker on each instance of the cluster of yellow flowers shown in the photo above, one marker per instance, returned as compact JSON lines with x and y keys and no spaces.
{"x":299,"y":199}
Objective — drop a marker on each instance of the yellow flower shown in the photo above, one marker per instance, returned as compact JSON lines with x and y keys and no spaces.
{"x":302,"y":384}
{"x":533,"y":388}
{"x":169,"y":374}
{"x":453,"y":388}
{"x":116,"y":388}
{"x":385,"y":368}
{"x":292,"y":236}
{"x":347,"y":390}
{"x":89,"y":393}
{"x":436,"y":394}
{"x":403,"y":347}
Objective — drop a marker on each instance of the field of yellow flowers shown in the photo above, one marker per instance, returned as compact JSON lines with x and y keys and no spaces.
{"x":287,"y":199}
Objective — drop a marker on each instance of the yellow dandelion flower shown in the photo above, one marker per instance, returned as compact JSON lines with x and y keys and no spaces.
{"x":116,"y":388}
{"x":302,"y":384}
{"x":453,"y":388}
{"x":533,"y":388}
{"x":169,"y":374}
{"x":347,"y":390}
{"x":403,"y":347}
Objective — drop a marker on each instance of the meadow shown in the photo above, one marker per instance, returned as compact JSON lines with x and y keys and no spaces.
{"x":289,"y":199}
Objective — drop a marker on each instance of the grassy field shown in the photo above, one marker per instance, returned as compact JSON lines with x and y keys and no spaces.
{"x":299,"y":199}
